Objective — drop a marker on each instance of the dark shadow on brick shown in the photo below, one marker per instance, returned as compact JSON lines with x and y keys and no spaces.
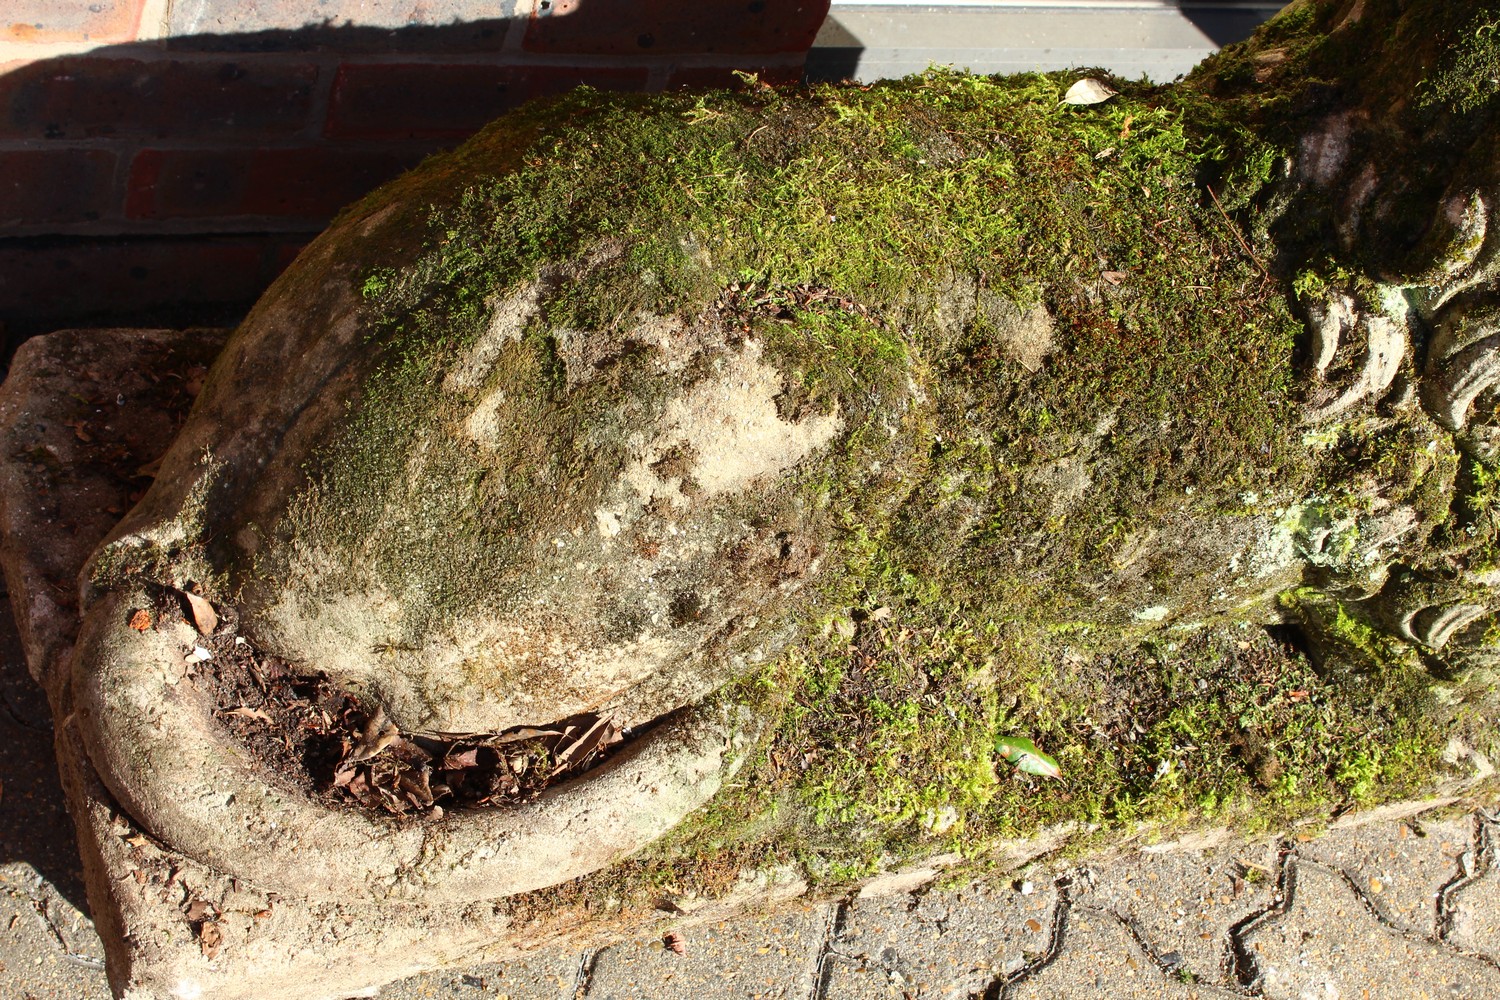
{"x":168,"y":183}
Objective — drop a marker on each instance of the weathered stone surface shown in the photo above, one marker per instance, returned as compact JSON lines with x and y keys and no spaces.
{"x":82,"y":412}
{"x":175,"y":764}
{"x":554,"y":974}
{"x":1098,"y":957}
{"x":1401,"y":868}
{"x":139,"y":888}
{"x":1183,"y":903}
{"x":760,"y":957}
{"x":494,"y":478}
{"x":1328,"y":942}
{"x":616,"y":544}
{"x":1474,"y":903}
{"x":949,"y":945}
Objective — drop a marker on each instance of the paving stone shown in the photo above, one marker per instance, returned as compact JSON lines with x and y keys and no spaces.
{"x":1098,"y":959}
{"x":1328,"y":944}
{"x":743,"y":958}
{"x":947,"y":945}
{"x":1400,"y":867}
{"x":49,"y":21}
{"x":550,"y":975}
{"x":1475,"y":905}
{"x":48,"y":948}
{"x":1183,"y":903}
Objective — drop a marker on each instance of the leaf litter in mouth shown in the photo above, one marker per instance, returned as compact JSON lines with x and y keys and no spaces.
{"x":328,"y":743}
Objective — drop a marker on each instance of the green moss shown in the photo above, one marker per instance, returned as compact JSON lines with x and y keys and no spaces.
{"x":1469,"y":77}
{"x":983,"y":190}
{"x":1049,"y":549}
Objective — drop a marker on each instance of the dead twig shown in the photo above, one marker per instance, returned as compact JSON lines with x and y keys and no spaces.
{"x":1237,"y":235}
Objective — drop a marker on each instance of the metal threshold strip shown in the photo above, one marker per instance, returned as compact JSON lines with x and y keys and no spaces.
{"x":1158,"y":39}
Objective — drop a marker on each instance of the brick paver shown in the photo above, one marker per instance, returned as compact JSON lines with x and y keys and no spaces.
{"x":1331,"y":943}
{"x":1400,"y":867}
{"x":1099,"y":959}
{"x":1185,"y":903}
{"x":745,"y":958}
{"x":939,"y":944}
{"x":1474,"y":903}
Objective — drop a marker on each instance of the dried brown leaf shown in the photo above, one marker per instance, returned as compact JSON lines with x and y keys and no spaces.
{"x":457,"y":760}
{"x":378,"y":734}
{"x":198,"y":910}
{"x":674,"y":942}
{"x":392,"y":802}
{"x":415,"y":785}
{"x":140,"y":621}
{"x":210,"y":938}
{"x":521,"y":734}
{"x":246,"y":712}
{"x":204,"y":616}
{"x":1113,"y":277}
{"x":579,"y":750}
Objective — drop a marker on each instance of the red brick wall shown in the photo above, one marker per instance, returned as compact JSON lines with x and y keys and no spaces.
{"x":161,"y":160}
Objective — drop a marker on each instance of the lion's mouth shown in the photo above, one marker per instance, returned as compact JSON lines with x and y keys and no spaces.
{"x":313,"y":736}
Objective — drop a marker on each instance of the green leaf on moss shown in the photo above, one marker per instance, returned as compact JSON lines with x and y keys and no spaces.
{"x":1026,"y":757}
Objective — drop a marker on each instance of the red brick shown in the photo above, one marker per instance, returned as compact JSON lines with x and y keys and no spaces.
{"x":85,"y":97}
{"x":70,"y":20}
{"x":546,"y":81}
{"x":55,"y":185}
{"x":723,"y":78}
{"x":656,"y":27}
{"x":307,"y":183}
{"x":173,"y":281}
{"x":414,"y":100}
{"x":383,"y":100}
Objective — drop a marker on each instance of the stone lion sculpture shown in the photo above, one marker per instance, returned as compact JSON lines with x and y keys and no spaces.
{"x":594,"y":413}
